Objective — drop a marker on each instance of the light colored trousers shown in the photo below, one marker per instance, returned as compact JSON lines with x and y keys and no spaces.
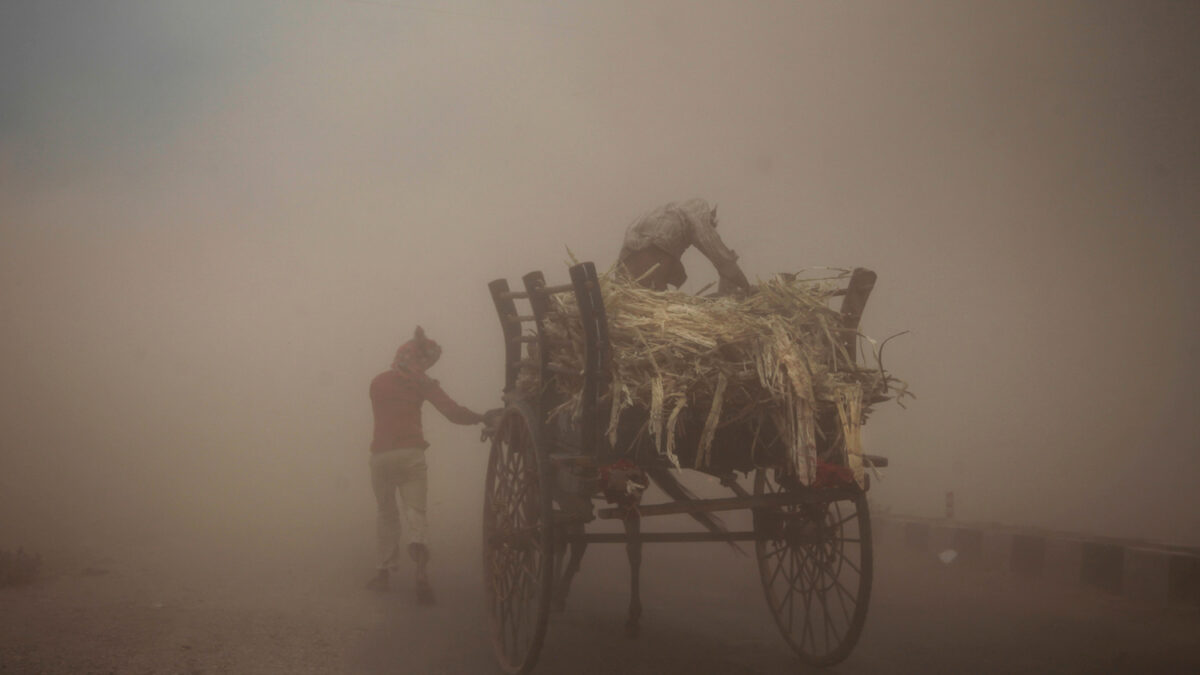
{"x":402,"y":470}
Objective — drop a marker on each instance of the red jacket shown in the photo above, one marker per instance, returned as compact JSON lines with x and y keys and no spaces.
{"x":396,"y":398}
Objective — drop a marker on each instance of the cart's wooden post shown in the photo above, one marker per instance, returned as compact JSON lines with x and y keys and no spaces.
{"x":595,"y":340}
{"x":511,"y":326}
{"x":862,"y":280}
{"x":539,"y":302}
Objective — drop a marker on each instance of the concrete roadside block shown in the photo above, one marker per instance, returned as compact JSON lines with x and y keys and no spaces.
{"x":995,"y":550}
{"x":1183,"y":580}
{"x":964,"y":541}
{"x":1102,"y":566}
{"x":1158,"y":577}
{"x":1027,"y":559}
{"x":1146,"y":575}
{"x":941,"y":537}
{"x":972,"y":546}
{"x":916,"y":536}
{"x":1062,"y":561}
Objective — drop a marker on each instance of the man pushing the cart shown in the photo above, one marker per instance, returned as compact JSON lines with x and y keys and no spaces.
{"x":398,"y":455}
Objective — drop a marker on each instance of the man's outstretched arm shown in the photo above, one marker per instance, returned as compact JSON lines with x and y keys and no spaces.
{"x":705,"y":238}
{"x":448,"y":407}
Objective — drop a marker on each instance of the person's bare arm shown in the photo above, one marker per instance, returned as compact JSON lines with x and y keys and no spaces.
{"x":706,"y":239}
{"x":448,"y":407}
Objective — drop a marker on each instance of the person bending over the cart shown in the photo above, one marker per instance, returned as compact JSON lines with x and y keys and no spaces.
{"x":398,"y":454}
{"x":654,"y":246}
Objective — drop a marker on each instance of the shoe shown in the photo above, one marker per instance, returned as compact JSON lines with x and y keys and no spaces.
{"x":424,"y":593}
{"x":379,"y":583}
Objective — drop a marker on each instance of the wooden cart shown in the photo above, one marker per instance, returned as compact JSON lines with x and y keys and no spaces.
{"x":812,"y":544}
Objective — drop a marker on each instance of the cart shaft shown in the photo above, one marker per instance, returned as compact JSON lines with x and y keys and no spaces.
{"x":662,"y":537}
{"x":811,"y":496}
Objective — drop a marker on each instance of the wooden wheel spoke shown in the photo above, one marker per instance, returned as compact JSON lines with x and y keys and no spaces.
{"x":843,"y":521}
{"x":778,"y":567}
{"x":518,"y":500}
{"x":505,"y":475}
{"x":527,"y":501}
{"x":827,"y":622}
{"x":807,"y":632}
{"x":496,"y":489}
{"x":528,"y":574}
{"x":835,"y":581}
{"x":846,"y":560}
{"x":843,"y":595}
{"x":510,"y":628}
{"x":510,"y":464}
{"x":791,"y":592}
{"x":510,"y":617}
{"x":513,"y":441}
{"x":799,"y":579}
{"x":506,"y":586}
{"x":842,"y":601}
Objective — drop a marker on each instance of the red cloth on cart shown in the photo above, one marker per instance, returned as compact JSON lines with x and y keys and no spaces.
{"x":832,"y":475}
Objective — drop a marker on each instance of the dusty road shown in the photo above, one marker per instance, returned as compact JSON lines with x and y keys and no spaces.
{"x":270,"y":602}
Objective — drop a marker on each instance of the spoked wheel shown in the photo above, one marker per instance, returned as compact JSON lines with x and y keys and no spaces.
{"x":518,"y":554}
{"x":815,"y":564}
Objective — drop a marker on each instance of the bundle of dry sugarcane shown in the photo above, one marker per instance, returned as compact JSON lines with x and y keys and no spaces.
{"x":775,"y":353}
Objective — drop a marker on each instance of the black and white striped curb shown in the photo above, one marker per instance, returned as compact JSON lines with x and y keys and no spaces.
{"x":1140,"y":571}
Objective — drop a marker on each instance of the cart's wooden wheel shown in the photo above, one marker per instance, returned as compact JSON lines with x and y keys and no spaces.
{"x":815,"y":565}
{"x":518,"y":552}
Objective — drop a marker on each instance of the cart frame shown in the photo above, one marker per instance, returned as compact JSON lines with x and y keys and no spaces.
{"x":801,"y":533}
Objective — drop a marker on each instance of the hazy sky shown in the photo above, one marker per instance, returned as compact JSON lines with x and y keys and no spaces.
{"x":218,"y":220}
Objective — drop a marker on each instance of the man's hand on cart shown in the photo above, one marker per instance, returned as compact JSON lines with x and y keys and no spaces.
{"x":491,"y":419}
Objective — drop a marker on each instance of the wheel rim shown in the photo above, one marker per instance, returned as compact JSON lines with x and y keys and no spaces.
{"x":816,"y":566}
{"x":517,"y":560}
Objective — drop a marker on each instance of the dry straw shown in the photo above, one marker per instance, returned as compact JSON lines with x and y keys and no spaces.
{"x":775,"y":354}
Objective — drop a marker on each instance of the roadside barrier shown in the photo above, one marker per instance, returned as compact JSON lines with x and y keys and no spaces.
{"x":1143,"y":572}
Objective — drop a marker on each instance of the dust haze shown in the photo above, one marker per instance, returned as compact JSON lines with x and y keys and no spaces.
{"x":218,"y":220}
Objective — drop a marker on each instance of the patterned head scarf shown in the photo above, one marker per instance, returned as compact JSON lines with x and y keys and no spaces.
{"x":418,"y":354}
